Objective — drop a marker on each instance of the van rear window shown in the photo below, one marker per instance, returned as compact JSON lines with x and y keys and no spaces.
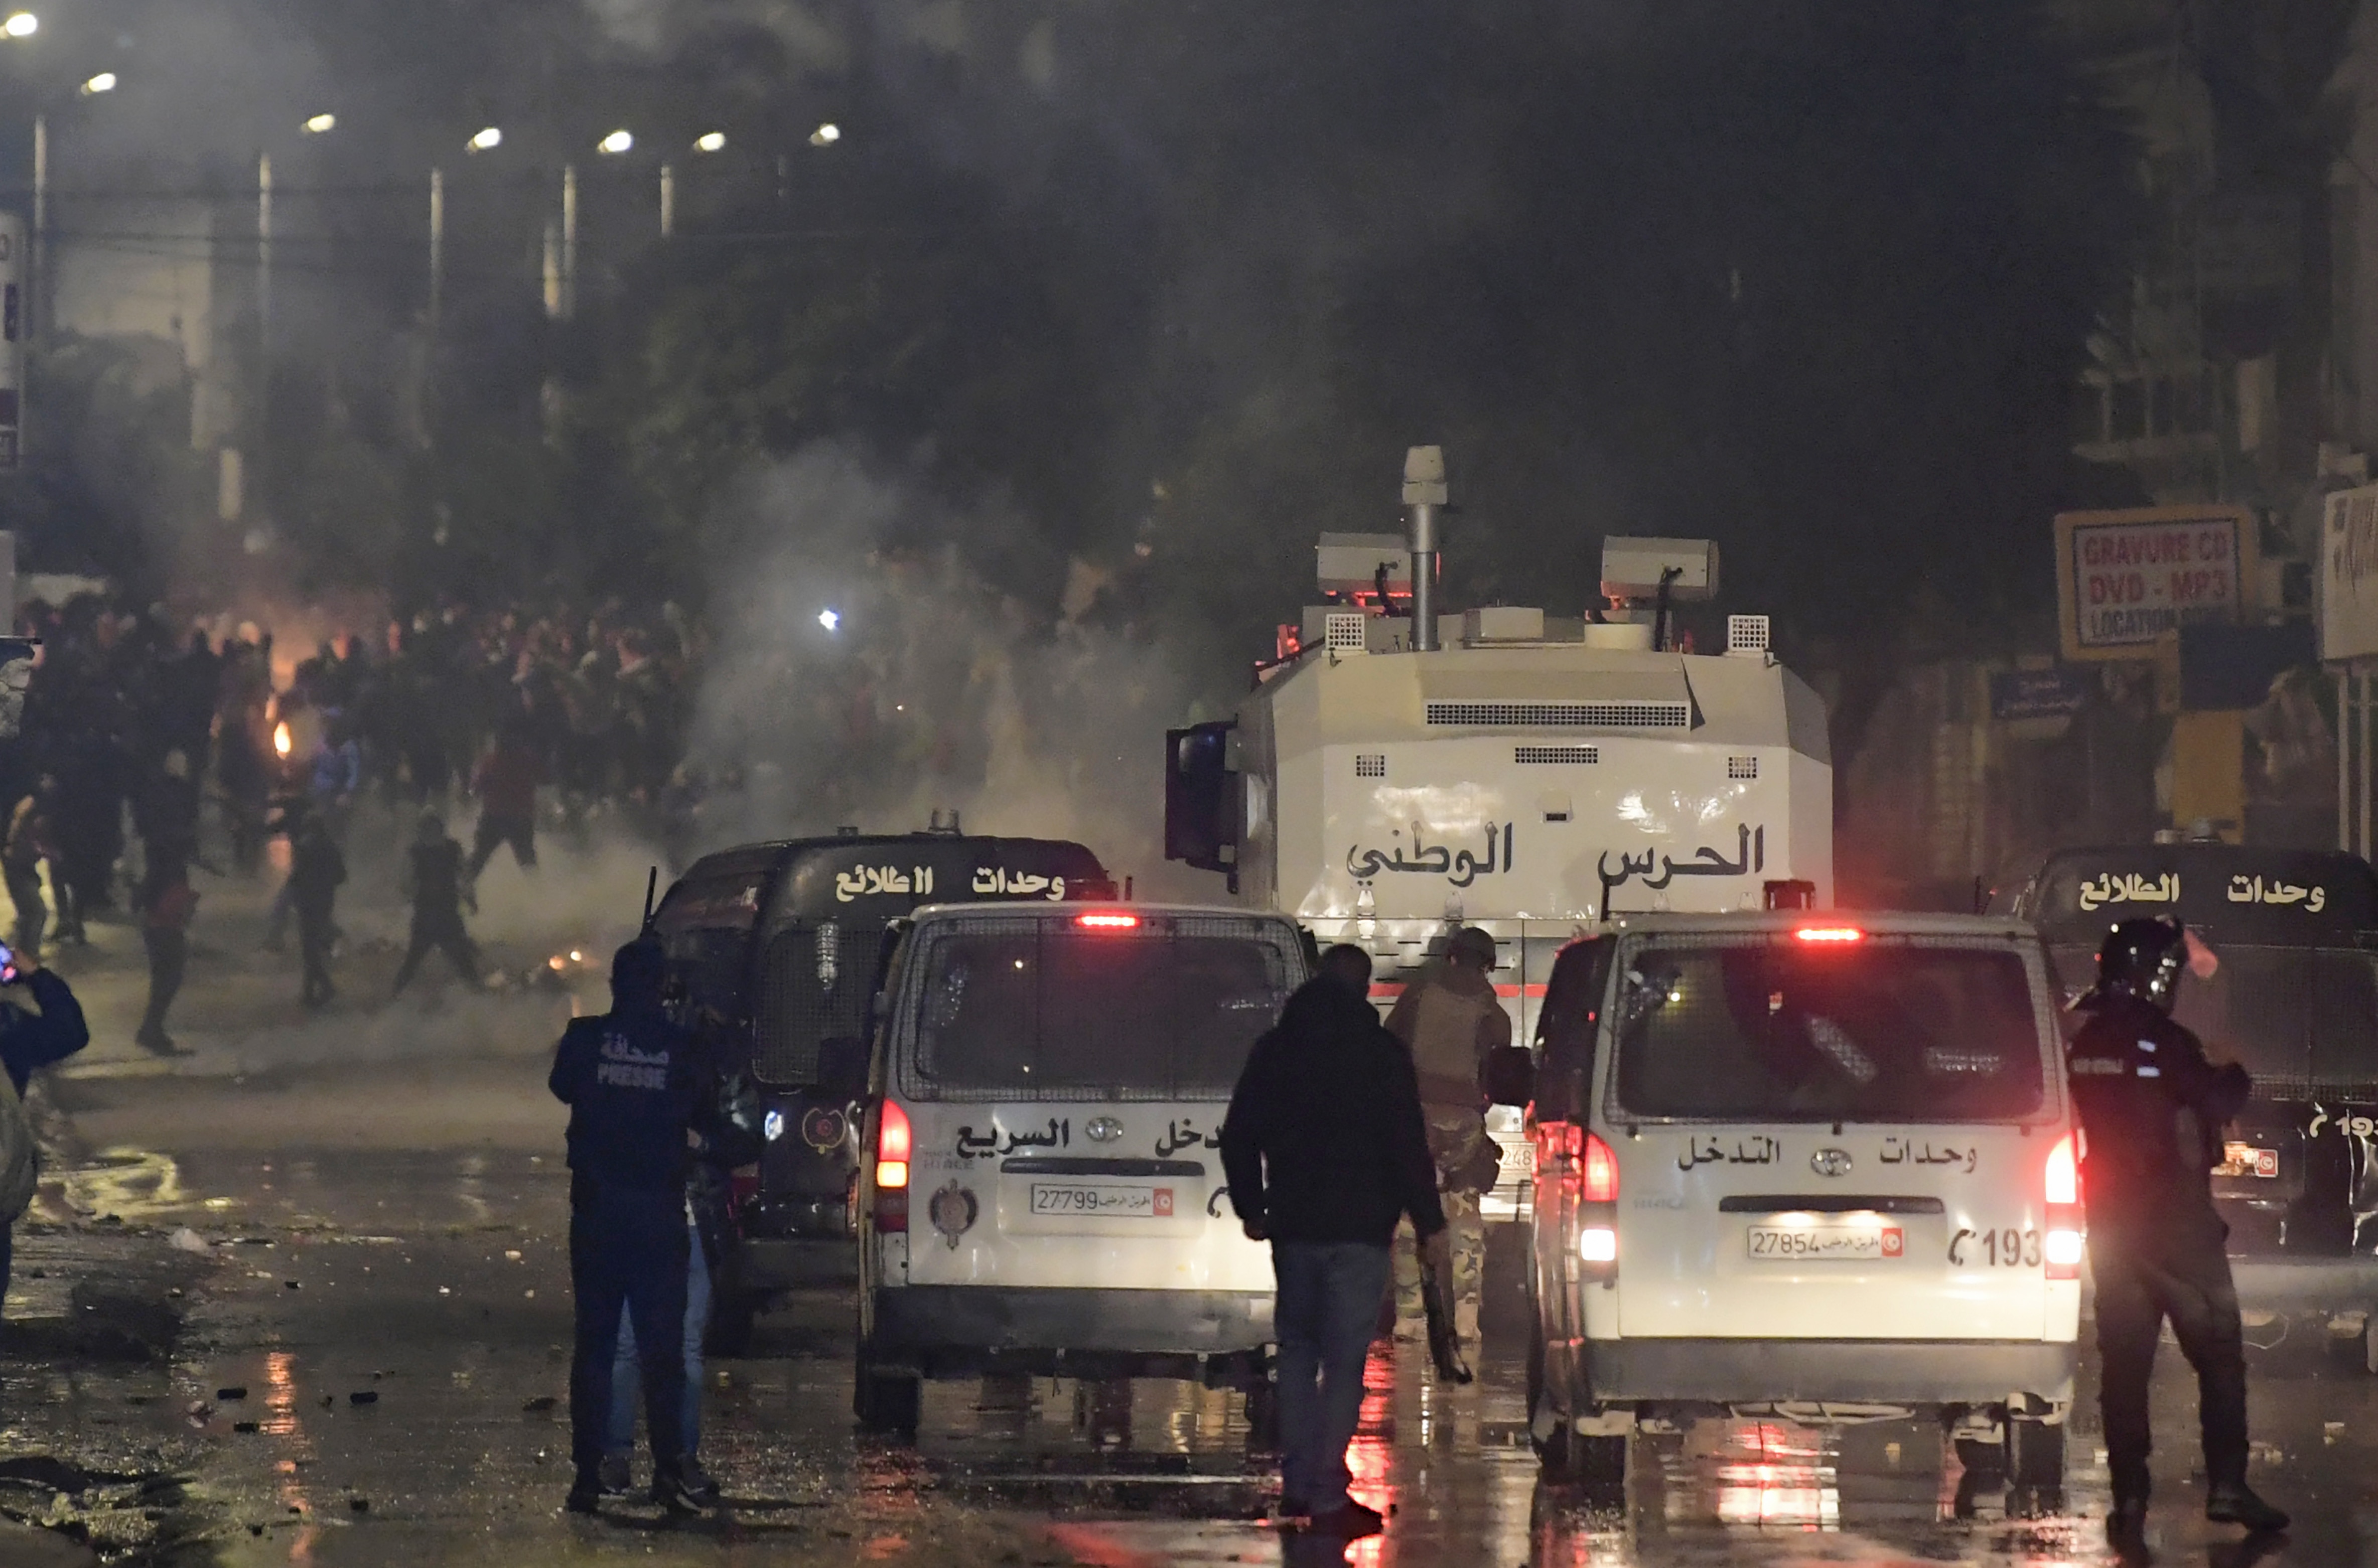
{"x":1007,"y":1009}
{"x":1881,"y":1031}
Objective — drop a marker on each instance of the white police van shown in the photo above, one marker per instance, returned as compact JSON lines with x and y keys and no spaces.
{"x":1042,"y":1190}
{"x":1806,"y":1165}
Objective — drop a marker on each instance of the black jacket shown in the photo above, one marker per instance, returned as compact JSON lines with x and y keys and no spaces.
{"x":1324,"y":1141}
{"x":631,"y":1084}
{"x":2152,"y":1109}
{"x":28,"y":1041}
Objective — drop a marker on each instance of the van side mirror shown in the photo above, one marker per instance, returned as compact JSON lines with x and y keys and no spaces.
{"x":1201,"y":797}
{"x":1510,"y":1075}
{"x":841,"y":1066}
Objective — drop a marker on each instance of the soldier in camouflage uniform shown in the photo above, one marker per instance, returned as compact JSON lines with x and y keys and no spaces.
{"x":1450,"y":1019}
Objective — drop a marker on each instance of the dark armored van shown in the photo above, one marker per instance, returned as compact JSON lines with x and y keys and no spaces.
{"x":784,"y":943}
{"x":2296,"y":1001}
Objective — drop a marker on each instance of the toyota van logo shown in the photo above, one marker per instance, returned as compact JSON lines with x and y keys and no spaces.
{"x":1104,"y":1129}
{"x":1830,"y":1162}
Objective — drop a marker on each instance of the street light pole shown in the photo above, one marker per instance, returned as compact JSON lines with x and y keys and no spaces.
{"x":437,"y":251}
{"x":668,"y":201}
{"x":37,"y":317}
{"x":264,"y":254}
{"x":568,"y":241}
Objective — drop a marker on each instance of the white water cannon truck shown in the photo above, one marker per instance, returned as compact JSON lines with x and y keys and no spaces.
{"x":1398,"y":771}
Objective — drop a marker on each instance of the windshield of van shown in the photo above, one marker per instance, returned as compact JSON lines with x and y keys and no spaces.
{"x":1008,"y":1009}
{"x":2303,"y":1020}
{"x":1879,"y":1030}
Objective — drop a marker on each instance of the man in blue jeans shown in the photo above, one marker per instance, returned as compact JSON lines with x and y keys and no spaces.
{"x":626,"y":1381}
{"x":1326,"y":1151}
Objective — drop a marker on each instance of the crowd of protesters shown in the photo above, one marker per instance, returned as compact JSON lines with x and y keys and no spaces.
{"x":148,"y":715}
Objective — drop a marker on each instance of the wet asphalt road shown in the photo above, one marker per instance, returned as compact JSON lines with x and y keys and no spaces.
{"x":384,"y":1209}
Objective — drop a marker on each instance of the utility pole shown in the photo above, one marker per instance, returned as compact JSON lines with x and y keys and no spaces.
{"x":264,"y":254}
{"x":668,"y":201}
{"x":436,"y":252}
{"x":38,"y":287}
{"x":568,"y":241}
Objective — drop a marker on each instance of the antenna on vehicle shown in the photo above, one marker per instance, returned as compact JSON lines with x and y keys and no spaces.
{"x":652,"y":886}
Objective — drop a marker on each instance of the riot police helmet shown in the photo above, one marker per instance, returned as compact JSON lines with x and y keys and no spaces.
{"x":2141,"y":958}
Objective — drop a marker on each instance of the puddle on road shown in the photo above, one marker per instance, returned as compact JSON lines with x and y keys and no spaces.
{"x":133,"y":1185}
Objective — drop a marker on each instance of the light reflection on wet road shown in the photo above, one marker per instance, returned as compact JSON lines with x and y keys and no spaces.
{"x":437,"y":1284}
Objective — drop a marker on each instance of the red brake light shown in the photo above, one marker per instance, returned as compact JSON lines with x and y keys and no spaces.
{"x":2067,"y":1241}
{"x":1601,"y":1176}
{"x":2063,"y":1172}
{"x":892,"y":1147}
{"x":1106,"y":922}
{"x":1829,"y":934}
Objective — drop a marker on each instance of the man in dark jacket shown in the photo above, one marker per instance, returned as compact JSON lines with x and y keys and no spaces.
{"x":29,"y":1040}
{"x":628,"y":1077}
{"x":431,"y":876}
{"x":2152,"y":1109}
{"x":316,"y":871}
{"x":1326,"y":1151}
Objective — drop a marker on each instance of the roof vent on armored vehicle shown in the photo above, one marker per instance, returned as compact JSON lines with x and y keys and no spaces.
{"x":1593,"y":715}
{"x":1345,"y":632}
{"x":1370,"y":765}
{"x":1742,"y":767}
{"x":1747,"y":635}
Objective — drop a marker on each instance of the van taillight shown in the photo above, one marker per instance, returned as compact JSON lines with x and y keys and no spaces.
{"x":891,"y":1167}
{"x":2066,"y":1239}
{"x":1597,"y":1191}
{"x":1600,"y":1183}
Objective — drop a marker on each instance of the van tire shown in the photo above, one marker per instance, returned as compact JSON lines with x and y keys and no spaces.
{"x":2034,"y":1460}
{"x":732,"y":1313}
{"x":1597,"y":1463}
{"x":1263,"y":1416}
{"x":885,"y":1400}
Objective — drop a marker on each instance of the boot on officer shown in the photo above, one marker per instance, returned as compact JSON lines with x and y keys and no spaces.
{"x":2152,"y":1109}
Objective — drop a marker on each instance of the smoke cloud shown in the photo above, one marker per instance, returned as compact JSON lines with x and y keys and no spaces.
{"x":1033,"y":708}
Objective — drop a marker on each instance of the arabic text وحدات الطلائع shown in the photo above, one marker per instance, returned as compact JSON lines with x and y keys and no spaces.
{"x":996,"y":880}
{"x":2250,"y":889}
{"x":1750,"y":858}
{"x":867,"y":881}
{"x":1460,"y":868}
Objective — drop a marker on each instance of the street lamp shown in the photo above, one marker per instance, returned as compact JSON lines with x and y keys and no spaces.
{"x":830,"y":619}
{"x":103,"y":82}
{"x":487,"y":140}
{"x":21,"y":24}
{"x":825,"y":135}
{"x":711,"y":142}
{"x":615,"y":144}
{"x":321,"y":124}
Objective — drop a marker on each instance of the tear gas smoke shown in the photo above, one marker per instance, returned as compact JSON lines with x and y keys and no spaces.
{"x":1023,"y":708}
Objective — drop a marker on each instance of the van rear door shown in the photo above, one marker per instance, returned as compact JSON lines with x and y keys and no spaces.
{"x":1065,"y":1076}
{"x":1842,"y":1138}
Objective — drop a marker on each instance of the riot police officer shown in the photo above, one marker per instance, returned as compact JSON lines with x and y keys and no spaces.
{"x":628,"y":1077}
{"x":2152,"y":1109}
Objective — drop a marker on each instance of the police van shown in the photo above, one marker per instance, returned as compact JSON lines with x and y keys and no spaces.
{"x":781,"y":944}
{"x":2294,"y":1001}
{"x":1042,"y":1192}
{"x":1808,"y":1165}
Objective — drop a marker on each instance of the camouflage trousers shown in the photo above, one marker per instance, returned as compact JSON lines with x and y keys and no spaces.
{"x":1454,"y":1135}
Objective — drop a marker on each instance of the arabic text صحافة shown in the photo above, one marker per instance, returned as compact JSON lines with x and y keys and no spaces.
{"x":1749,"y":858}
{"x":1460,"y":868}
